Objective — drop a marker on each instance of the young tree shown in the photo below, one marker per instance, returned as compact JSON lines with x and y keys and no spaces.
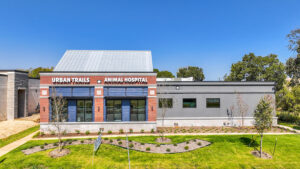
{"x":263,"y":117}
{"x":58,"y":116}
{"x":191,"y":71}
{"x":242,"y":107}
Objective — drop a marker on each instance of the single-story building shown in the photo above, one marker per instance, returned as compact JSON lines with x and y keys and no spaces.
{"x":115,"y":90}
{"x":19,"y":94}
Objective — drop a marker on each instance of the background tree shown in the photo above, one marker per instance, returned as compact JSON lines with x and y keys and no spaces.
{"x":163,"y":74}
{"x":293,"y":63}
{"x":258,"y":68}
{"x":35,"y":73}
{"x":263,"y":117}
{"x":191,"y":71}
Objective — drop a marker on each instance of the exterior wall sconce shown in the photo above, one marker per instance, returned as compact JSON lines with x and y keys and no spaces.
{"x":151,"y":108}
{"x":98,"y":108}
{"x":177,"y":88}
{"x":44,"y":109}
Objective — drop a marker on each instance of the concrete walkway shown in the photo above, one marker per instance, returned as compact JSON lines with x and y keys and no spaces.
{"x":6,"y":149}
{"x":154,"y":134}
{"x":289,"y":128}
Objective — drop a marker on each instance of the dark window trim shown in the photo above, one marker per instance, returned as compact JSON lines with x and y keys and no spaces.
{"x":190,"y":98}
{"x":214,"y":107}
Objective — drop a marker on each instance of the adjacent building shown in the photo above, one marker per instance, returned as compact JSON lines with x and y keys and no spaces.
{"x":113,"y":90}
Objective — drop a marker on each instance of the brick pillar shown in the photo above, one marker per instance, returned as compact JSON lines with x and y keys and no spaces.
{"x":152,"y":108}
{"x":98,"y":109}
{"x":44,"y":109}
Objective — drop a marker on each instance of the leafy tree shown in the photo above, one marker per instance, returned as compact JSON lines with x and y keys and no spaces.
{"x":35,"y":73}
{"x":293,"y":64}
{"x":191,"y":71}
{"x":263,"y":117}
{"x":163,"y":74}
{"x":258,"y":68}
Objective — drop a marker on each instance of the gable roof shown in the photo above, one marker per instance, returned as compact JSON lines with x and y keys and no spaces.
{"x":105,"y":61}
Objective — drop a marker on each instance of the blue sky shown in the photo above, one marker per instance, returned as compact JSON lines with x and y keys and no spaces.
{"x":210,"y":34}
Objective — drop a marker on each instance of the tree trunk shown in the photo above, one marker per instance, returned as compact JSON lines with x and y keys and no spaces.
{"x":261,"y":139}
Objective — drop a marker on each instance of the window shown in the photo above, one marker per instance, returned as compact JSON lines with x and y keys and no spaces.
{"x":64,"y":115}
{"x":165,"y":103}
{"x":84,"y":111}
{"x":137,"y":110}
{"x":189,"y":103}
{"x":212,"y":102}
{"x":114,"y":110}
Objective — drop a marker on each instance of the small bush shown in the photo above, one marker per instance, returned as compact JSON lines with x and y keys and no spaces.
{"x":199,"y":144}
{"x":131,"y":145}
{"x":187,"y":142}
{"x":130,"y":130}
{"x":168,"y":150}
{"x":110,"y":140}
{"x":195,"y":140}
{"x":81,"y":141}
{"x":121,"y":131}
{"x":157,"y":145}
{"x":77,"y":131}
{"x":148,"y":149}
{"x":87,"y":132}
{"x":130,"y":141}
{"x":64,"y":132}
{"x":288,"y":117}
{"x":99,"y":132}
{"x":120,"y":142}
{"x":142,"y":143}
{"x":55,"y":144}
{"x":52,"y":132}
{"x":109,"y":132}
{"x":142,"y":131}
{"x":175,"y":144}
{"x":186,"y":147}
{"x":89,"y":138}
{"x":152,"y":130}
{"x":42,"y":133}
{"x":105,"y":138}
{"x":42,"y":146}
{"x":45,"y":144}
{"x":118,"y":139}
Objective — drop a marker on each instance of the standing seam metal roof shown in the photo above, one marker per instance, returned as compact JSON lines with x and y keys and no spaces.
{"x":105,"y":61}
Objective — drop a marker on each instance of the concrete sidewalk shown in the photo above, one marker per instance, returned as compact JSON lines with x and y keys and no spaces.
{"x":289,"y":128}
{"x":6,"y":149}
{"x":154,"y":134}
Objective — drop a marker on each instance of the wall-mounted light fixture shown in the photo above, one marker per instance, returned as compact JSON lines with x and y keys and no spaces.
{"x":177,"y":88}
{"x":44,"y":109}
{"x":98,"y":108}
{"x":151,"y":108}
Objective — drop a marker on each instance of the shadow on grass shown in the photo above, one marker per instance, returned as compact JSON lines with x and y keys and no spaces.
{"x":2,"y":160}
{"x":251,"y":142}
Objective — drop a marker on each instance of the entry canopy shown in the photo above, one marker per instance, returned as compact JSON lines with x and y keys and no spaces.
{"x":105,"y":61}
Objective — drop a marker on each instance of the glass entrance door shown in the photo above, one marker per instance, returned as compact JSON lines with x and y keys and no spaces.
{"x":113,"y":110}
{"x":84,"y":111}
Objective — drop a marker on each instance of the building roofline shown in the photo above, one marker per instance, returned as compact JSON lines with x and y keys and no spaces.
{"x":93,"y":72}
{"x":215,"y":83}
{"x":13,"y":70}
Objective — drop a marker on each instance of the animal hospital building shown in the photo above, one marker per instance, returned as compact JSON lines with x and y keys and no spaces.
{"x":115,"y":90}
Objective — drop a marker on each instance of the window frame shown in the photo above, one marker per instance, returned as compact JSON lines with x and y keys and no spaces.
{"x":213,"y":107}
{"x":189,"y":99}
{"x":168,"y":107}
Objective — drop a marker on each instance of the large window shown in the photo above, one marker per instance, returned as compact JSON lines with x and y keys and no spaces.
{"x":57,"y":116}
{"x":165,"y":103}
{"x":113,"y":110}
{"x":137,"y":110}
{"x":189,"y":103}
{"x":212,"y":102}
{"x":84,"y":111}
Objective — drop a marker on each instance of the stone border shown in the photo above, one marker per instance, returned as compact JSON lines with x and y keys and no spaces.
{"x":137,"y":146}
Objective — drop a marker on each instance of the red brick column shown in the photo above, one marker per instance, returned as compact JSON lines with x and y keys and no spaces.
{"x":152,"y":108}
{"x":44,"y":109}
{"x":98,"y":109}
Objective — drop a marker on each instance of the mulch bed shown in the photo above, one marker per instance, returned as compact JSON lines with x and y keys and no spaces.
{"x":264,"y":154}
{"x":56,"y":153}
{"x":133,"y":145}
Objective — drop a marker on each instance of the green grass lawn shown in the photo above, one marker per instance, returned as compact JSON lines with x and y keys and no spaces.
{"x":12,"y":138}
{"x":224,"y":152}
{"x":294,"y":126}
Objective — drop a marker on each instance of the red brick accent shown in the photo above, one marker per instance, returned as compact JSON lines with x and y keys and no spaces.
{"x":99,"y":109}
{"x":44,"y":109}
{"x":151,"y":109}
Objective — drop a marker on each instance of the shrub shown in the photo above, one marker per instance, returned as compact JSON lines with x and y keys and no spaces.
{"x":89,"y":138}
{"x":105,"y":138}
{"x":81,"y":141}
{"x":289,"y":117}
{"x":130,"y":141}
{"x":109,"y":132}
{"x":175,"y":144}
{"x":168,"y":150}
{"x":45,"y":144}
{"x":148,"y":149}
{"x":64,"y":132}
{"x":110,"y":140}
{"x":42,"y":133}
{"x":195,"y":140}
{"x":99,"y":132}
{"x":120,"y":142}
{"x":42,"y":146}
{"x":186,"y":147}
{"x":157,"y":145}
{"x":130,"y":130}
{"x":77,"y":131}
{"x":87,"y":132}
{"x":199,"y":144}
{"x":142,"y":131}
{"x":55,"y":144}
{"x":187,"y":142}
{"x":121,"y":131}
{"x":152,"y":130}
{"x":118,"y":139}
{"x":142,"y":143}
{"x":52,"y":132}
{"x":131,"y":145}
